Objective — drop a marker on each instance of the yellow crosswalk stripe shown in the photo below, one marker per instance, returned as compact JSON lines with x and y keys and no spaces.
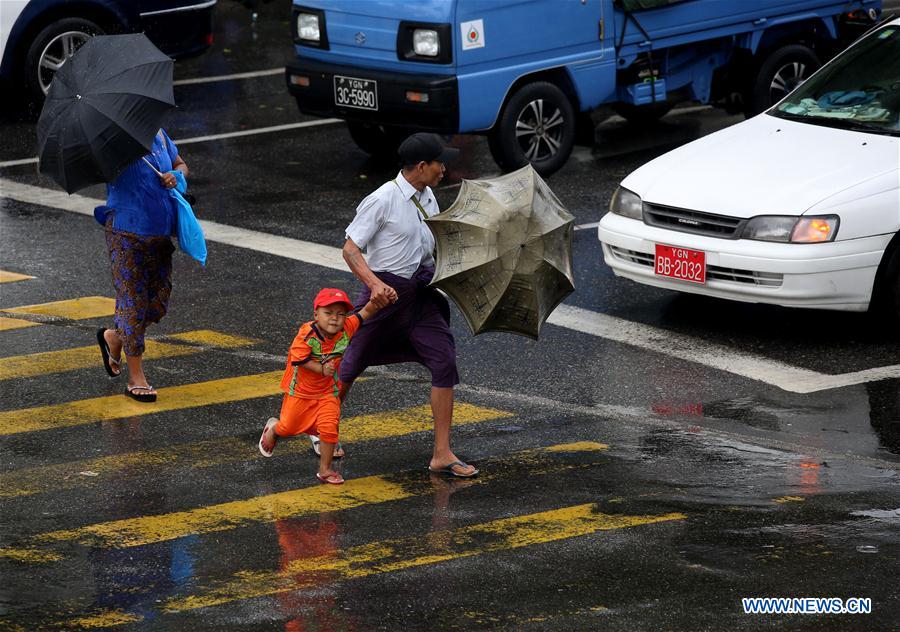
{"x":11,"y":277}
{"x":305,"y":501}
{"x":113,"y":407}
{"x":74,"y":309}
{"x":15,"y":323}
{"x":76,"y":474}
{"x":84,"y":357}
{"x":389,"y":556}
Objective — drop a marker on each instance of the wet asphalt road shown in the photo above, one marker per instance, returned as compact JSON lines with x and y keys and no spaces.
{"x":623,"y":487}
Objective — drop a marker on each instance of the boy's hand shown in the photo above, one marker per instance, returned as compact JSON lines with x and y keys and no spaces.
{"x":371,"y":308}
{"x":328,"y":368}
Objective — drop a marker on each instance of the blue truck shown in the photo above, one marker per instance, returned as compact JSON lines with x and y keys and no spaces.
{"x":527,"y":73}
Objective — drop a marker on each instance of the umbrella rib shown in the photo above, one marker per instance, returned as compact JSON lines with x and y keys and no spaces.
{"x":130,"y":68}
{"x":130,"y":94}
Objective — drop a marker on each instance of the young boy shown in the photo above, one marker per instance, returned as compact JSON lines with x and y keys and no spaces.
{"x":311,"y":404}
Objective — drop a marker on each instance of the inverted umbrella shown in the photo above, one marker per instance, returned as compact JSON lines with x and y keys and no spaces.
{"x":103,"y":109}
{"x":504,"y":252}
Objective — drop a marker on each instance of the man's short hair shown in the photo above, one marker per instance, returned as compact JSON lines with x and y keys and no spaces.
{"x":425,"y":147}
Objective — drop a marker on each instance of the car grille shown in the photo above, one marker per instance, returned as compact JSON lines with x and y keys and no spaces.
{"x":734,"y":275}
{"x":695,"y":222}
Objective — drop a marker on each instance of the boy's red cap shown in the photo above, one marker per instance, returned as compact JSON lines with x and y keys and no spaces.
{"x":330,"y":296}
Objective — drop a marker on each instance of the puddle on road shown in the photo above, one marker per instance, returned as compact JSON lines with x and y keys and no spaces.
{"x":862,"y":420}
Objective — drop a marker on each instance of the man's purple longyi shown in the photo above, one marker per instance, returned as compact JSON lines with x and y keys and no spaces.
{"x":413,"y":329}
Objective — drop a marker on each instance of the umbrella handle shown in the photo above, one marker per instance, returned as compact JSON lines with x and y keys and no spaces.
{"x":150,"y":164}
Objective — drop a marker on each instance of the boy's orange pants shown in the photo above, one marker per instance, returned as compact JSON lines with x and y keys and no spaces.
{"x":309,"y":416}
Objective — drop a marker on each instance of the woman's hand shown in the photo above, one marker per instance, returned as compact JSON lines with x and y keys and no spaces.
{"x":168,"y":180}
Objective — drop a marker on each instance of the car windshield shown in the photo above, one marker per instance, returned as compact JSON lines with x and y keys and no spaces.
{"x":860,"y":90}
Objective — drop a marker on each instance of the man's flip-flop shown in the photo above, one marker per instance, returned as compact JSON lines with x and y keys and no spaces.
{"x":104,"y":352}
{"x":331,"y":479}
{"x":448,"y":469}
{"x":271,"y":422}
{"x":141,"y":393}
{"x":315,"y":442}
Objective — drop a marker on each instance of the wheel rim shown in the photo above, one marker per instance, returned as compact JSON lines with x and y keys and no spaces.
{"x":539,"y":130}
{"x":786,"y":79}
{"x":56,"y":53}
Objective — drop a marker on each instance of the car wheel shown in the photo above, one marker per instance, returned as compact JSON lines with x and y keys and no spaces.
{"x":642,"y":114}
{"x":52,"y":47}
{"x":380,"y":141}
{"x":537,"y":125}
{"x":886,"y":293}
{"x":783,"y":70}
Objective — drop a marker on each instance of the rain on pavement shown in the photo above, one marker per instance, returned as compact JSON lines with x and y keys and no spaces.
{"x":647,"y":463}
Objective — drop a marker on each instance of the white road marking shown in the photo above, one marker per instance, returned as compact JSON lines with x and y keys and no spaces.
{"x":238,"y":75}
{"x":654,"y":339}
{"x":203,"y":139}
{"x":587,"y":226}
{"x":21,"y":161}
{"x":257,"y":130}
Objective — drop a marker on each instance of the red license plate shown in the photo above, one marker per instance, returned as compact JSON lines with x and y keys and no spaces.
{"x":680,"y":263}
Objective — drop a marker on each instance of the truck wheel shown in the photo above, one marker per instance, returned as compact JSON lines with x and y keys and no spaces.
{"x":55,"y":44}
{"x":783,"y":70}
{"x":642,"y":114}
{"x":381,"y":141}
{"x":537,"y":126}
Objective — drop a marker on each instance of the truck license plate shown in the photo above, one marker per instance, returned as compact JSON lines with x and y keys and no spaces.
{"x":355,"y":93}
{"x":680,"y":263}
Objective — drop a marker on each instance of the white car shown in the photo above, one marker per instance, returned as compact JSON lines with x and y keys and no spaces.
{"x":799,"y":206}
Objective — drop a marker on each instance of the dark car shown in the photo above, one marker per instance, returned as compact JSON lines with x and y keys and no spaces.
{"x":38,"y":36}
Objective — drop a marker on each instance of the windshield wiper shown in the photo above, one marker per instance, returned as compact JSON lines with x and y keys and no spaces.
{"x":837,"y":123}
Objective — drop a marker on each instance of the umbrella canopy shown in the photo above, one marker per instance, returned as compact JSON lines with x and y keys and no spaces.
{"x":103,"y":109}
{"x":504,"y":252}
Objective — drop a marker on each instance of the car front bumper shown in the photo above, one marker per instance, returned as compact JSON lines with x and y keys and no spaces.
{"x":839,"y":275}
{"x":440,"y":113}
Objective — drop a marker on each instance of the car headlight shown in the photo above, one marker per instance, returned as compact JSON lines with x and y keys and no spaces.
{"x":308,"y":27}
{"x":425,"y":42}
{"x":627,"y":204}
{"x":790,"y":229}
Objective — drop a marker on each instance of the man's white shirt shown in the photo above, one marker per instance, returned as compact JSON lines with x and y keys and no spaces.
{"x":391,"y":230}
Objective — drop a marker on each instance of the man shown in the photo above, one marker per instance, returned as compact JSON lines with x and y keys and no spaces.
{"x":413,"y":325}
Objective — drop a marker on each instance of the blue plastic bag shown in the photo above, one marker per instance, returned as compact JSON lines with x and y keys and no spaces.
{"x":189,"y":233}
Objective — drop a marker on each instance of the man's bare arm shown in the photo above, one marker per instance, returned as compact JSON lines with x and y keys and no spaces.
{"x":382,"y":294}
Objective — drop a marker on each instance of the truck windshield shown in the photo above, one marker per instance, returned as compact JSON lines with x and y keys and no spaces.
{"x":860,"y":90}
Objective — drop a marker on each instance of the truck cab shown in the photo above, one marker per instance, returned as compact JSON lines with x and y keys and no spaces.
{"x":526,"y":73}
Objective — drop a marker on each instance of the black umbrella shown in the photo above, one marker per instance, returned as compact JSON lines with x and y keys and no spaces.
{"x":104,"y":107}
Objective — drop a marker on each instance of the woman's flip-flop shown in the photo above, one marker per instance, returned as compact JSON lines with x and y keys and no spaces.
{"x":104,"y":353}
{"x":448,"y":469}
{"x":141,"y":393}
{"x":331,"y":479}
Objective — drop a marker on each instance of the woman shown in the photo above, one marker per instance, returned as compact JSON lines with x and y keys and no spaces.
{"x":139,"y":218}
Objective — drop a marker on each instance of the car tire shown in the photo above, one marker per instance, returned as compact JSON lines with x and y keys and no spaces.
{"x":546,"y":119}
{"x":53,"y":45}
{"x":886,"y":293}
{"x":380,"y":141}
{"x":642,"y":114}
{"x":783,"y":70}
